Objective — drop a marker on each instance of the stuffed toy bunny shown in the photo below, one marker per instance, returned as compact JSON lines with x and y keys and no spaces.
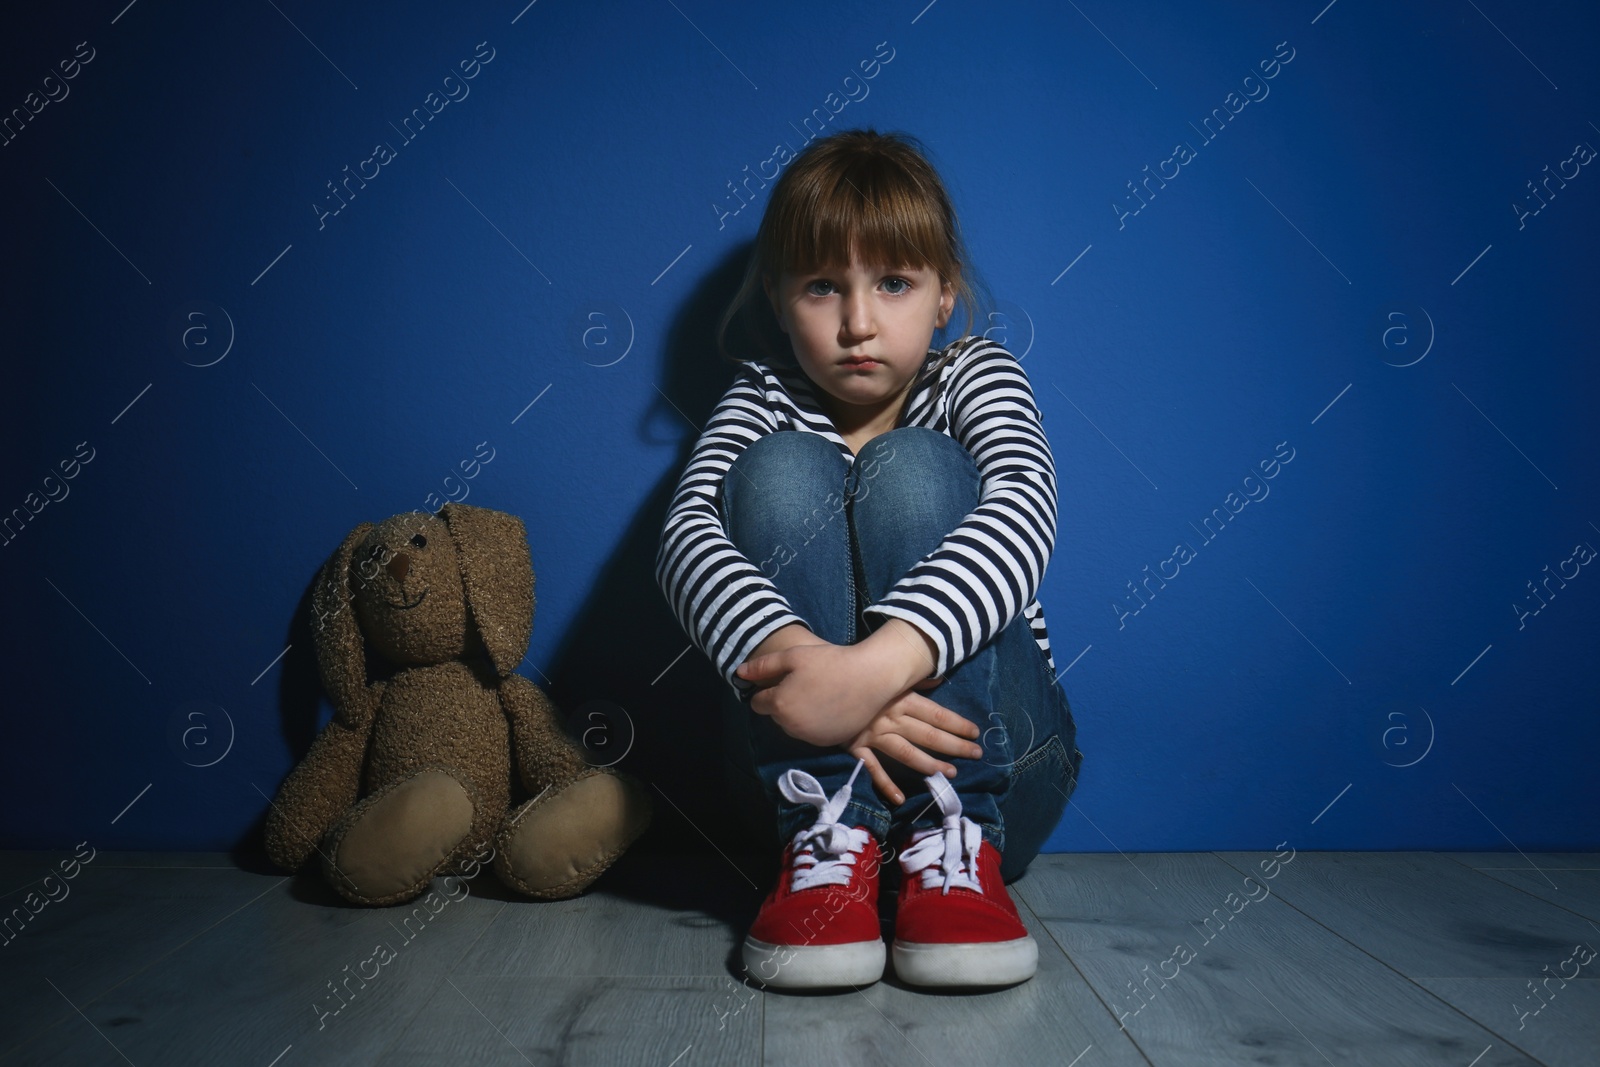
{"x":414,"y":774}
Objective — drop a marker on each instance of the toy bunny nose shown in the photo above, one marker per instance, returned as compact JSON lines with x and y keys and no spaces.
{"x":398,"y":566}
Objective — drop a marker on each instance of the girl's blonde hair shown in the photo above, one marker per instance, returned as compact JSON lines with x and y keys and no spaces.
{"x":858,"y":191}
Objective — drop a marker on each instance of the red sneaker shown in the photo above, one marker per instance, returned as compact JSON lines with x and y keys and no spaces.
{"x":955,"y":923}
{"x":818,"y":928}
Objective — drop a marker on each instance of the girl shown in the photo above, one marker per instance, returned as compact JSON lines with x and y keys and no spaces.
{"x":886,"y":547}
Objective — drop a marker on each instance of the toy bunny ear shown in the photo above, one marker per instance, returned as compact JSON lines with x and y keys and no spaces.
{"x":497,"y":575}
{"x":341,"y":650}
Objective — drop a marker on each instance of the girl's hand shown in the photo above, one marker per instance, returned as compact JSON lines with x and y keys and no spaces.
{"x":826,"y":694}
{"x":911,"y":721}
{"x":823,"y":694}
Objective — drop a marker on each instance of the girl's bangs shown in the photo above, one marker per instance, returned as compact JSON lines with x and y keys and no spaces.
{"x":883,"y":226}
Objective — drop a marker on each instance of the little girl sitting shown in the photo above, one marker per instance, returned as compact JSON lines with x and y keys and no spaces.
{"x":863,"y":522}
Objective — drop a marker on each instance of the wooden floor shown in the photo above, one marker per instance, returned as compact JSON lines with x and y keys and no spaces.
{"x":1466,"y":960}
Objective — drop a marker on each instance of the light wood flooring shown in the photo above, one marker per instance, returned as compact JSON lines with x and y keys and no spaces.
{"x":1464,"y":960}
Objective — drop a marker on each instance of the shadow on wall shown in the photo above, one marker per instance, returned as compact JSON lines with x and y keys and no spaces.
{"x":627,"y":648}
{"x":635,"y":693}
{"x":301,"y":715}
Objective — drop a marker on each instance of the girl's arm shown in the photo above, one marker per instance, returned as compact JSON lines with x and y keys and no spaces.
{"x":724,"y":602}
{"x":1004,"y":545}
{"x":826,"y":694}
{"x":953,"y":600}
{"x":734,"y":614}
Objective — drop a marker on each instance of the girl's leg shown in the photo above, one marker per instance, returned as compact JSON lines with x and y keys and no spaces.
{"x":785,"y":510}
{"x":1044,"y":773}
{"x":910,"y":488}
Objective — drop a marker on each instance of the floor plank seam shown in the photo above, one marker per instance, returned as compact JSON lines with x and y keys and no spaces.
{"x":1040,"y":924}
{"x":401,"y":1028}
{"x":452,"y":969}
{"x":1512,"y":885}
{"x":129,"y":977}
{"x":1406,"y":977}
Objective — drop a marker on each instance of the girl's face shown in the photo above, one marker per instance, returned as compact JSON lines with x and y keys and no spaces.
{"x":861,"y":333}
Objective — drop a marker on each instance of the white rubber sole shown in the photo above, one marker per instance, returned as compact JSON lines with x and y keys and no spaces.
{"x":996,"y":963}
{"x":857,"y":963}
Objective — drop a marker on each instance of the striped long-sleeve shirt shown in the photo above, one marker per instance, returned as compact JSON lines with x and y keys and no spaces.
{"x":962,"y":594}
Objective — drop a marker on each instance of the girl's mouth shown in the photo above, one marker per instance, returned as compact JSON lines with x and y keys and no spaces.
{"x":860,"y":362}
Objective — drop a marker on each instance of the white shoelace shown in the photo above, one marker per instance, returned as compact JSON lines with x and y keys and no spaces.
{"x":948,"y":854}
{"x":826,"y":853}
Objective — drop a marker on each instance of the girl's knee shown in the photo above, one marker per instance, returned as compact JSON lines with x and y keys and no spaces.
{"x":914,"y":475}
{"x":914,"y":446}
{"x":911,"y":455}
{"x":804,"y":465}
{"x":785,"y":447}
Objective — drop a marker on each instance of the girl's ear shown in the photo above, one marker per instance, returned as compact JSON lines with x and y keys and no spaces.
{"x":947,"y":303}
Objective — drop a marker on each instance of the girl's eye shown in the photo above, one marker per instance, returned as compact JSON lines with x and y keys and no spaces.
{"x":896,"y":286}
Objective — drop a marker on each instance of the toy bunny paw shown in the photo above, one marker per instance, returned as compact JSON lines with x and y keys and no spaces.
{"x":555,"y":845}
{"x":391,"y":843}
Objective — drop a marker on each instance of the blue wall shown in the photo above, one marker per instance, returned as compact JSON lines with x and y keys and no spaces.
{"x":1351,"y":271}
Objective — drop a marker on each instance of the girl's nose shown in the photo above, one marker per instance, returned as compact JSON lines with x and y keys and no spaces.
{"x":858,"y":321}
